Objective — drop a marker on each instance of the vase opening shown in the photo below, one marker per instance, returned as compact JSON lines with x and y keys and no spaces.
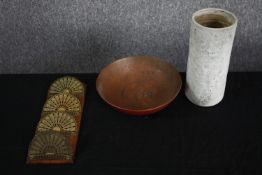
{"x":214,"y":18}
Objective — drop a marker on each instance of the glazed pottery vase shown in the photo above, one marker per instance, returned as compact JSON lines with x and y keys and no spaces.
{"x":211,"y":39}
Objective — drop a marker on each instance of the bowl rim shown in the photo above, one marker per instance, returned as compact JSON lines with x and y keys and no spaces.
{"x":147,"y":109}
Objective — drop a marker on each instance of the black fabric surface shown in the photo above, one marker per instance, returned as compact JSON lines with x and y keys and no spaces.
{"x":181,"y":139}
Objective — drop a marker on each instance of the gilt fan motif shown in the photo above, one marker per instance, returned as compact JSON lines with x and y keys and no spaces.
{"x":67,"y":85}
{"x":58,"y":122}
{"x":49,"y":147}
{"x":63,"y":103}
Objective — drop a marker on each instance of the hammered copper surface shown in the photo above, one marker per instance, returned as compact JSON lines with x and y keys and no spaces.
{"x":139,"y":84}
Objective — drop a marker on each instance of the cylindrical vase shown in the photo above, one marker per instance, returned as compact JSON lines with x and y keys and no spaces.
{"x":211,"y":39}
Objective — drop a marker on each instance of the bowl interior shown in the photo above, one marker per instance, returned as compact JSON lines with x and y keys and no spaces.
{"x":138,"y":83}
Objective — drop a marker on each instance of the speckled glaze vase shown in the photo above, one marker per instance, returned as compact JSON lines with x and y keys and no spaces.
{"x":211,"y":39}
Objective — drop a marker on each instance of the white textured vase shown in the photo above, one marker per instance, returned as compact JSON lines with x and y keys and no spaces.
{"x":211,"y":39}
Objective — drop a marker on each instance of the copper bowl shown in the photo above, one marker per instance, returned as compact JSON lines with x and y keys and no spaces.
{"x":139,"y":85}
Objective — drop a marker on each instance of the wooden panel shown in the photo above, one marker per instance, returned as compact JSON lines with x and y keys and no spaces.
{"x":56,"y":135}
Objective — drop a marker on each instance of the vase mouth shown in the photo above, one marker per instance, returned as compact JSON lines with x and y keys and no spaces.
{"x":214,"y":18}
